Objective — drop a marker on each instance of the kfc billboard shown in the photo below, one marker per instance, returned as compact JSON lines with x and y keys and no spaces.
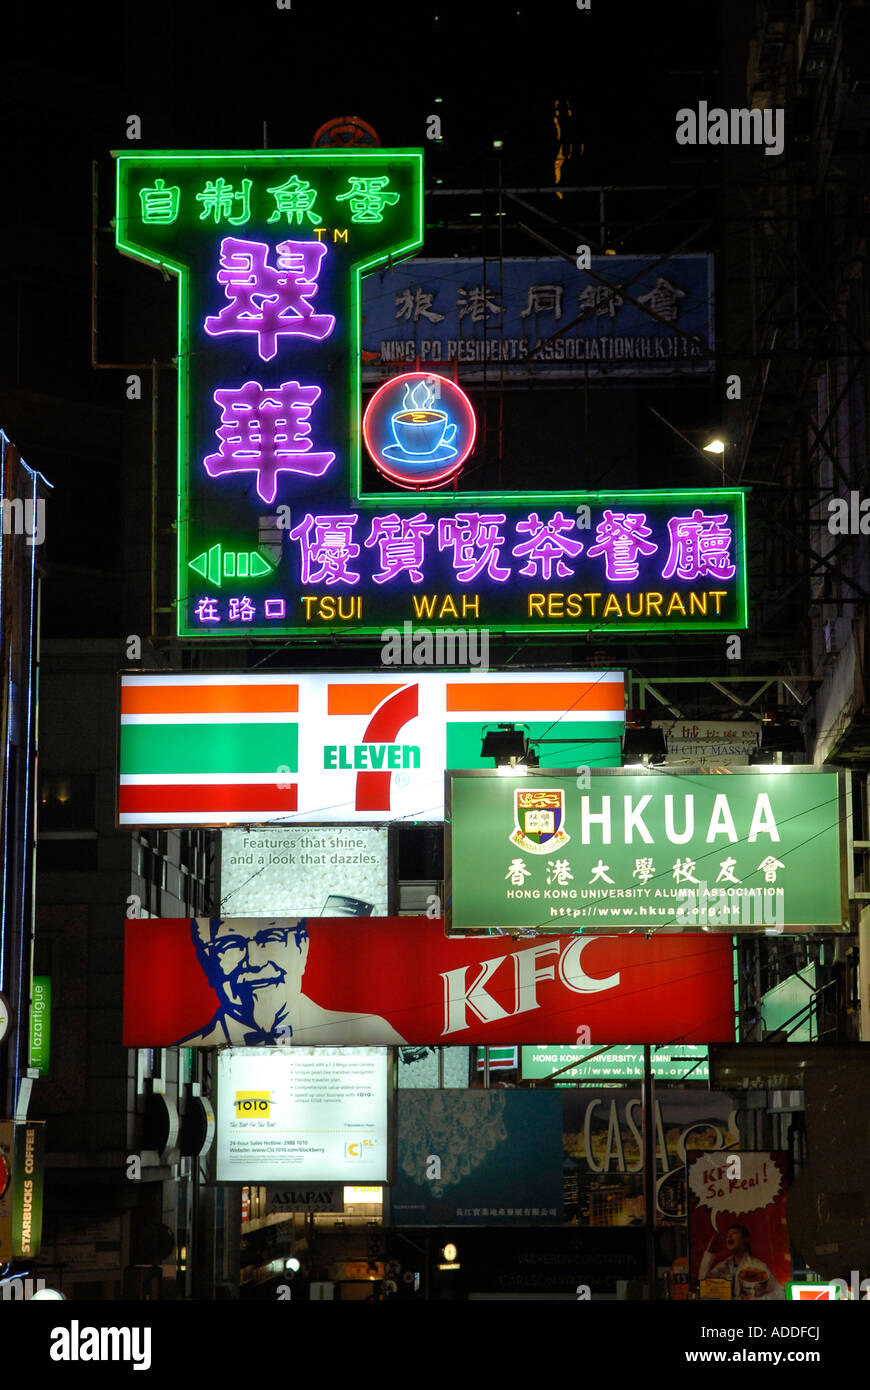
{"x":206,"y":982}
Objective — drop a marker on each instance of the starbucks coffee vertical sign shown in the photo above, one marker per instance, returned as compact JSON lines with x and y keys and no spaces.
{"x":616,"y":850}
{"x":27,"y":1182}
{"x":5,"y":1017}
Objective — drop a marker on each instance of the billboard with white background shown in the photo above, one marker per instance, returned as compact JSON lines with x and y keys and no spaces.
{"x":303,"y":871}
{"x":308,"y":748}
{"x":302,"y":1114}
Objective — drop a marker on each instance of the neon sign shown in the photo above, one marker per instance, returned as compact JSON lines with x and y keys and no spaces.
{"x":419,"y":429}
{"x":261,"y":297}
{"x":295,"y":515}
{"x":266,"y":432}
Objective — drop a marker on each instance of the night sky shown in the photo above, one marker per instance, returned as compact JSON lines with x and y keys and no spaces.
{"x":232,"y":76}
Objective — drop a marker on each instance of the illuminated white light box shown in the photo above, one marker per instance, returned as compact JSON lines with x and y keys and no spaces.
{"x":312,"y":1114}
{"x":303,"y":871}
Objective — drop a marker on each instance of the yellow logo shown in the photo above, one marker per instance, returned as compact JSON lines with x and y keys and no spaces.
{"x":252,"y":1105}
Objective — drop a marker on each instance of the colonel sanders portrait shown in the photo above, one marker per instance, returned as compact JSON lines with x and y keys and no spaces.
{"x":256,"y":968}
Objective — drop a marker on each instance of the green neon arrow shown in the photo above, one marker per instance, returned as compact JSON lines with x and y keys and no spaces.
{"x":242,"y":564}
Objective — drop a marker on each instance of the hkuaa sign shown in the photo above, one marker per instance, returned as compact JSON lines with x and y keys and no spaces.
{"x":619,"y":849}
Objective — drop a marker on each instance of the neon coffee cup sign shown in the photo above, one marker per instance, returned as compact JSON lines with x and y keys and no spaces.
{"x":419,"y":429}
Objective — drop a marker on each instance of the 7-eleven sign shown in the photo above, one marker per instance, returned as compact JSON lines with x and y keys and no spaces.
{"x":813,"y":1293}
{"x":319,"y":748}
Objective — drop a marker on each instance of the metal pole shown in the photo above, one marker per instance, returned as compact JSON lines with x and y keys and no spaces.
{"x":649,"y":1170}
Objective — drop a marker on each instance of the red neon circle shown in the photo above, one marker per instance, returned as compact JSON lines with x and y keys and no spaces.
{"x":457,"y":398}
{"x":344,"y":131}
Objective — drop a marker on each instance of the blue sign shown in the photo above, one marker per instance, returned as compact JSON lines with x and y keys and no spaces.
{"x":625,"y":316}
{"x":478,"y":1158}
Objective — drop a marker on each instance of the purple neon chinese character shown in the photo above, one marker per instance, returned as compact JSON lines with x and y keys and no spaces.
{"x":468,"y":532}
{"x":330,"y":547}
{"x":400,"y":540}
{"x":243,"y":609}
{"x":699,"y":547}
{"x":275,"y":608}
{"x":547,"y":544}
{"x":266,"y":301}
{"x":618,"y":538}
{"x":265,"y":431}
{"x":207,"y":610}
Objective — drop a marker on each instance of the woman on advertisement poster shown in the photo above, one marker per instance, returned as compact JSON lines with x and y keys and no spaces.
{"x":737,"y":1207}
{"x":749,"y":1276}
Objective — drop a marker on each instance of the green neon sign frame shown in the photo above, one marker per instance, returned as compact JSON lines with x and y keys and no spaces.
{"x":162,"y":162}
{"x":131,"y":240}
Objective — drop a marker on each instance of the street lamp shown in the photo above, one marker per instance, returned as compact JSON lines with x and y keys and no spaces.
{"x":717,"y":446}
{"x":509,"y":747}
{"x":642,"y":740}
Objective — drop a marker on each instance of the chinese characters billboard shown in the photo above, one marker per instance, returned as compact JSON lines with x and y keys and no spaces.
{"x":297,"y":514}
{"x":632,"y":316}
{"x":243,"y":748}
{"x":619,"y":849}
{"x":347,"y":982}
{"x":709,"y":744}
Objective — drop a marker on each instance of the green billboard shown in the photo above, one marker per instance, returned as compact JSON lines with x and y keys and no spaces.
{"x":682,"y":1062}
{"x":755,"y":849}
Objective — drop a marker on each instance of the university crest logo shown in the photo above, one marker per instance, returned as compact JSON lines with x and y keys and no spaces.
{"x":538,"y":819}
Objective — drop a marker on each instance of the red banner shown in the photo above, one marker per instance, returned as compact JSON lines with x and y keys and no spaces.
{"x":737,"y":1223}
{"x":208,"y":981}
